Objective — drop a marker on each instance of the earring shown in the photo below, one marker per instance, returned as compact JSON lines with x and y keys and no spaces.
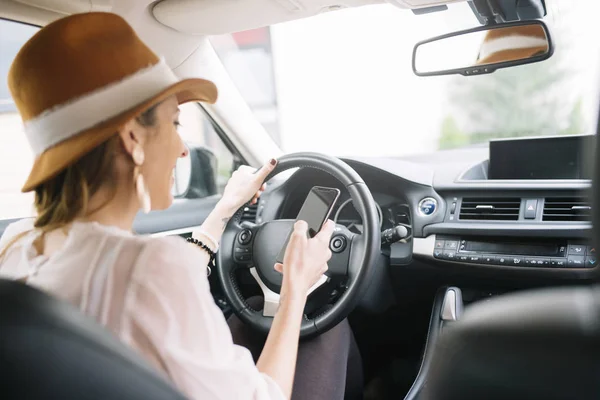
{"x":138,"y":155}
{"x":140,"y":186}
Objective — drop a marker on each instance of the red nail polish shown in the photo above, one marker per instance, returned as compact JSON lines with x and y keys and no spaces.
{"x":273,"y":161}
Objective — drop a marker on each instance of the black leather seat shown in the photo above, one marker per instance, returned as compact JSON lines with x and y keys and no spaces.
{"x":49,"y":350}
{"x":534,"y":345}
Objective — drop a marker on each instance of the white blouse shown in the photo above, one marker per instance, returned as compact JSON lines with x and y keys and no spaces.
{"x":150,"y":292}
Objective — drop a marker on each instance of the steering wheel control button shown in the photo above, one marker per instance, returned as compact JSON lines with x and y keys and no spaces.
{"x":427,"y":206}
{"x":245,"y":237}
{"x":577,"y":250}
{"x":337,"y":244}
{"x":242,"y":254}
{"x":451,"y":245}
{"x":576,"y":261}
{"x":243,"y":257}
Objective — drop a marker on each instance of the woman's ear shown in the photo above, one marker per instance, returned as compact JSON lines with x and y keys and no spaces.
{"x":132,"y":134}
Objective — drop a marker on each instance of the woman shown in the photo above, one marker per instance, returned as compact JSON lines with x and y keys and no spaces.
{"x":101,"y":117}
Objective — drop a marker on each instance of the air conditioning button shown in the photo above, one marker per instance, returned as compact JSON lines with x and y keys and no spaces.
{"x":515,"y":260}
{"x":591,"y":262}
{"x":502,"y":260}
{"x":559,"y":263}
{"x":451,"y":245}
{"x":576,"y":261}
{"x":577,"y":249}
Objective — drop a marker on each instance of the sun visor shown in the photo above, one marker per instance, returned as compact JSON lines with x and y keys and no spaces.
{"x":70,"y":7}
{"x":213,"y":17}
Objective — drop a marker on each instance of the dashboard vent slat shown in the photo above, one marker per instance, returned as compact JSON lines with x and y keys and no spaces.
{"x":567,"y":209}
{"x":487,"y":209}
{"x":249,"y":213}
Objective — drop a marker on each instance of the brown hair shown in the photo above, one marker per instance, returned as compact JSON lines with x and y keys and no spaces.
{"x":64,"y":198}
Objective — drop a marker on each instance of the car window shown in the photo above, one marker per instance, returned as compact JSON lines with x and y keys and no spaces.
{"x":197,"y":131}
{"x":16,"y":157}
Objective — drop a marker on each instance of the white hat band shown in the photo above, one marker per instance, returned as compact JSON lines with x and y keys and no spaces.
{"x":66,"y":120}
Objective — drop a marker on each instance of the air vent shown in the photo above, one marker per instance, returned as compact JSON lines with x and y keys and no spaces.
{"x":249,"y":213}
{"x":570,"y":209}
{"x":498,"y":209}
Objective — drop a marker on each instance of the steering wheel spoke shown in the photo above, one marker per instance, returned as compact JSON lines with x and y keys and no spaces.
{"x":271,"y":299}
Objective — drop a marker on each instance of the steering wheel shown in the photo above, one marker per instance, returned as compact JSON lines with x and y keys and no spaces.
{"x":255,"y":247}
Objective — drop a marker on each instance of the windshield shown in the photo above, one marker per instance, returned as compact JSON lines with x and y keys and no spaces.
{"x":342,"y":82}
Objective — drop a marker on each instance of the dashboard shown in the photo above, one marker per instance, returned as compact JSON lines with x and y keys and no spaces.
{"x":461,"y":218}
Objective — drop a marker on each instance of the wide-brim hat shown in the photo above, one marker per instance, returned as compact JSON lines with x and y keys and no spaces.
{"x":79,"y":79}
{"x":513,"y":43}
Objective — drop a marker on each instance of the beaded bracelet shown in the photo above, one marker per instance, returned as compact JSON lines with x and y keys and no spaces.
{"x":204,"y":247}
{"x":210,"y":238}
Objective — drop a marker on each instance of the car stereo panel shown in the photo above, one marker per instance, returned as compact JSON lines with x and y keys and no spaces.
{"x":515,"y":253}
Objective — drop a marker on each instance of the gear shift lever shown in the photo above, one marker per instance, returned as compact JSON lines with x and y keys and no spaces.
{"x":452,"y":308}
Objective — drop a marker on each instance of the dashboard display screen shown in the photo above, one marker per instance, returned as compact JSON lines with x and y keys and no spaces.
{"x":564,"y":157}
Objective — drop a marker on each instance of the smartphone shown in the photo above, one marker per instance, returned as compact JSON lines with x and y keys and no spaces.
{"x":314,"y":211}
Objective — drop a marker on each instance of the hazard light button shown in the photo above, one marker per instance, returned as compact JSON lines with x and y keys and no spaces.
{"x":531,"y":209}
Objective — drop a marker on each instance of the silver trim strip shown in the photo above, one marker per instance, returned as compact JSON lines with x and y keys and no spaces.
{"x":424,"y":246}
{"x":271,"y":299}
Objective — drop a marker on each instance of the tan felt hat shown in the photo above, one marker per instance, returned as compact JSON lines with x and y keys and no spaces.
{"x":79,"y":79}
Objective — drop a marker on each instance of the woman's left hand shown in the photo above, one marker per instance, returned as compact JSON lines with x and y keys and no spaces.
{"x":246,"y":184}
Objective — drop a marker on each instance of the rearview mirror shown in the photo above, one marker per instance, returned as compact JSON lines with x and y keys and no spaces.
{"x":484,"y":49}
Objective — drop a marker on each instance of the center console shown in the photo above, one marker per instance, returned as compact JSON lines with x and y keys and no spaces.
{"x":526,"y":253}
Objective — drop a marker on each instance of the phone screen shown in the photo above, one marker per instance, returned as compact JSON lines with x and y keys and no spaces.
{"x":314,"y":211}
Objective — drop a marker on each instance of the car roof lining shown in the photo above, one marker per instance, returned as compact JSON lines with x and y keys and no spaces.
{"x":203,"y":17}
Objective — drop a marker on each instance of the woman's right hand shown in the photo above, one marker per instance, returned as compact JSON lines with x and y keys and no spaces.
{"x":305,"y":259}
